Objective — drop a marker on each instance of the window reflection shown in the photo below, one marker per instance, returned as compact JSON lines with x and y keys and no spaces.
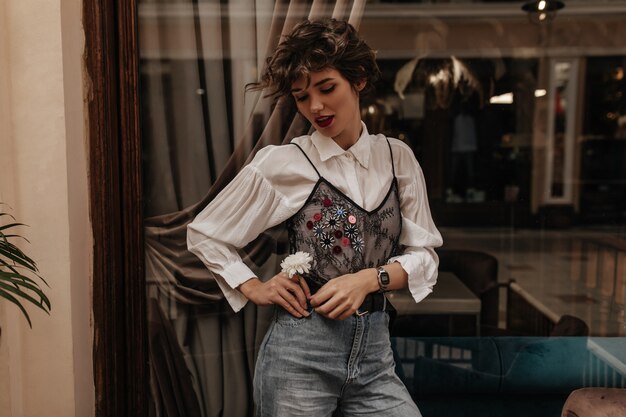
{"x":520,"y":130}
{"x":561,"y":133}
{"x":473,"y":139}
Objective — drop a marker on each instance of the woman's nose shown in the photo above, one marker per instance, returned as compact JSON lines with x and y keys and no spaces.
{"x":316,"y":105}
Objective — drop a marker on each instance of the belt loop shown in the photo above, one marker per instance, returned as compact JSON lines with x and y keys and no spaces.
{"x":384,"y":302}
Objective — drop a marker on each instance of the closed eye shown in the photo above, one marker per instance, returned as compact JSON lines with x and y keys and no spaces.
{"x":301,"y":98}
{"x":327,"y":90}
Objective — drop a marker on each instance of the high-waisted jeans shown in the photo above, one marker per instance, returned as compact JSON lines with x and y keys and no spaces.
{"x":313,"y":366}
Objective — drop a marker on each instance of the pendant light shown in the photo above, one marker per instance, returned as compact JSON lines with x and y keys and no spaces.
{"x":542,"y":11}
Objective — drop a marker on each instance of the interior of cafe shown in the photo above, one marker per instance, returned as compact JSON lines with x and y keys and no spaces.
{"x":517,"y":116}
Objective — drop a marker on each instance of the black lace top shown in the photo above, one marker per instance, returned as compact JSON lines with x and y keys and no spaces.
{"x":340,"y":235}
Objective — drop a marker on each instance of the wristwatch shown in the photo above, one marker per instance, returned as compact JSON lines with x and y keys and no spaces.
{"x":383,"y":279}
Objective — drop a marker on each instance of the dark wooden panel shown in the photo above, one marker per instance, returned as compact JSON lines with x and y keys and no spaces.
{"x":120,"y":369}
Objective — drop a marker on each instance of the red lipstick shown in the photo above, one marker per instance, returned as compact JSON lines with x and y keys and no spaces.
{"x":324,"y":121}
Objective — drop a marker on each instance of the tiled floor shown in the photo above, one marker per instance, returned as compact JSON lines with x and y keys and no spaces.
{"x":578,"y":271}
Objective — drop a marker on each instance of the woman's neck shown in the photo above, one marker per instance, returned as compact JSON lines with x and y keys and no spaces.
{"x":348,"y":138}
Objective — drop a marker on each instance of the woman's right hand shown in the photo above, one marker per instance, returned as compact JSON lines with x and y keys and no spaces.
{"x":290,"y":294}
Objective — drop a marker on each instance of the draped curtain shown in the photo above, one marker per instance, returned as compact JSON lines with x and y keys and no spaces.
{"x":199,"y":129}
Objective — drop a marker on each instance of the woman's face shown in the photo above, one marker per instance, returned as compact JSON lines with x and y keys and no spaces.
{"x":331,"y":104}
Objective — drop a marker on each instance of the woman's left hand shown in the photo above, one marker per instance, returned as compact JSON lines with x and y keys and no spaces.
{"x":340,"y":297}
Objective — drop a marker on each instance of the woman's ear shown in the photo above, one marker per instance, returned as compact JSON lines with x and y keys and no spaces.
{"x":359,"y":86}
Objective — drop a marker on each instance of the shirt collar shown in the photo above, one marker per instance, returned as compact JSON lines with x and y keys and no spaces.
{"x":328,"y":148}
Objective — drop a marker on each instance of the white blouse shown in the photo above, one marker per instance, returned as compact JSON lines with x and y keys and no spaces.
{"x":277,"y":183}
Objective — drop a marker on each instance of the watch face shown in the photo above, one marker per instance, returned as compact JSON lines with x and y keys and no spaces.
{"x":383,"y":276}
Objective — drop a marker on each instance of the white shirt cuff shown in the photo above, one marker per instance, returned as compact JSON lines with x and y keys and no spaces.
{"x":420,"y":282}
{"x":234,"y":297}
{"x":233,"y":276}
{"x":236,"y":274}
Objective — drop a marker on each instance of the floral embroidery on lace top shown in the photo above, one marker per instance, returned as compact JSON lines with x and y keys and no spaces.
{"x":341,"y":236}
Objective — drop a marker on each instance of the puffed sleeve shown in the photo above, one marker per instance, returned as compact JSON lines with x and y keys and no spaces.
{"x":419,"y":235}
{"x":246,"y":207}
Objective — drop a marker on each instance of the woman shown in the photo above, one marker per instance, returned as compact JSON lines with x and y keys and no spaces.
{"x":357,"y":204}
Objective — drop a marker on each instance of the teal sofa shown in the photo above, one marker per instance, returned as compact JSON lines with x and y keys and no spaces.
{"x":491,"y":376}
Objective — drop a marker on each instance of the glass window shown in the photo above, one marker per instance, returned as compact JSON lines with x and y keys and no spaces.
{"x":520,"y":129}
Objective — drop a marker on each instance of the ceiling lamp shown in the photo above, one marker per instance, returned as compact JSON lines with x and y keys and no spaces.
{"x":543,"y":10}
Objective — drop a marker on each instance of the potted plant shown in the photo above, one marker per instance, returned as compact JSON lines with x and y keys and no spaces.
{"x":18,"y":272}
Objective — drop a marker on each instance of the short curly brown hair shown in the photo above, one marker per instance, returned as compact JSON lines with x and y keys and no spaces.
{"x":314,"y":46}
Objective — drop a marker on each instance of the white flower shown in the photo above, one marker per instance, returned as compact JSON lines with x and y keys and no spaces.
{"x":298,"y":263}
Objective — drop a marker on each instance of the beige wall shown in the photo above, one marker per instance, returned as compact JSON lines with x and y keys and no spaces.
{"x":5,"y":189}
{"x":46,"y":371}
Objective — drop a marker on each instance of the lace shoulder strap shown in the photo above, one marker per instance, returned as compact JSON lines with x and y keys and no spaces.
{"x":393,"y":168}
{"x":307,"y":158}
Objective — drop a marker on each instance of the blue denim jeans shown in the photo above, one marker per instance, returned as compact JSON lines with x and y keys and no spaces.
{"x":313,"y":366}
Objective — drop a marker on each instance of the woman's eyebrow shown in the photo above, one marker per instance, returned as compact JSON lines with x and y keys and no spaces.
{"x":295,"y":90}
{"x":322,"y":81}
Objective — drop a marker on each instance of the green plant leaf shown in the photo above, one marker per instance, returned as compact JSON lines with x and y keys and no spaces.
{"x":8,"y":246}
{"x":16,"y":286}
{"x":7,"y":214}
{"x":5,"y":237}
{"x":17,"y":291}
{"x":21,"y":277}
{"x":10,"y":267}
{"x":12,"y":299}
{"x":8,"y":226}
{"x":11,"y":248}
{"x":17,"y":256}
{"x":19,"y":283}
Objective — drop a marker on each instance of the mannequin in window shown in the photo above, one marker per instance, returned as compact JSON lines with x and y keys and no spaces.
{"x":463,"y":149}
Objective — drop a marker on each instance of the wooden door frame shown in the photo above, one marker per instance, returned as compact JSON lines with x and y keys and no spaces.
{"x":114,"y":148}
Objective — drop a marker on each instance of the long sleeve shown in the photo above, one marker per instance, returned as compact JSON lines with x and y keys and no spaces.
{"x":277,"y":183}
{"x":245,"y":208}
{"x":419,"y":234}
